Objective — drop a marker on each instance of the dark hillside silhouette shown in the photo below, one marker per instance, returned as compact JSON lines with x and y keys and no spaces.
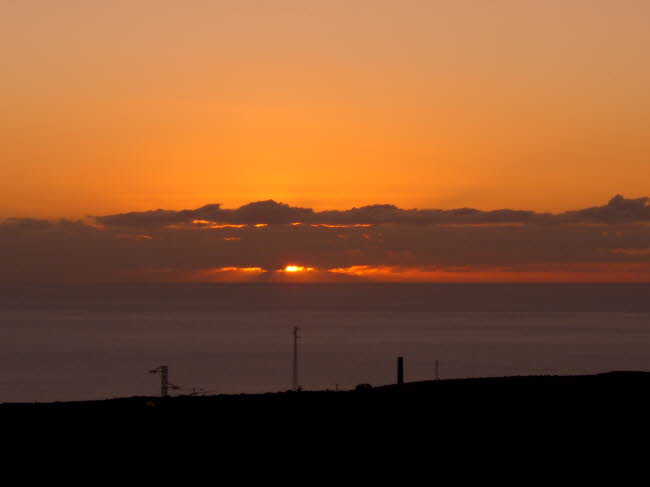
{"x":613,"y":396}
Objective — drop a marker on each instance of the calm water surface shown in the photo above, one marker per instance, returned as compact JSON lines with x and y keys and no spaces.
{"x":89,"y":342}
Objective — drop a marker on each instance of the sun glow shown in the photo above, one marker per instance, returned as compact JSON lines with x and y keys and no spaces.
{"x":209,"y":224}
{"x":296,"y":268}
{"x":255,"y":270}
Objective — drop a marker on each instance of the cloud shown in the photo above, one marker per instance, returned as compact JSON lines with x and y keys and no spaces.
{"x":213,"y":243}
{"x":26,"y":223}
{"x":271,"y":212}
{"x":258,"y":212}
{"x":618,"y":210}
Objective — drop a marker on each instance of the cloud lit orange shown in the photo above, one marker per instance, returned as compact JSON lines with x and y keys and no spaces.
{"x":603,"y":243}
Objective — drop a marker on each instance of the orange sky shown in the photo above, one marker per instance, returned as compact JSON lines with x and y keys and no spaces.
{"x":111,"y":106}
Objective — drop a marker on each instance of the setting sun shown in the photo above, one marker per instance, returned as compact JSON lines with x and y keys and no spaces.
{"x":295,"y":268}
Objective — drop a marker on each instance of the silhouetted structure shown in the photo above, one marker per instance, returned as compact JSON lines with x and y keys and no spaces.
{"x":296,"y":384}
{"x":400,"y":371}
{"x":163,"y":370}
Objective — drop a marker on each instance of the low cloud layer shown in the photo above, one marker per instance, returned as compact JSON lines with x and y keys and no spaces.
{"x":617,"y":210}
{"x":379,"y":242}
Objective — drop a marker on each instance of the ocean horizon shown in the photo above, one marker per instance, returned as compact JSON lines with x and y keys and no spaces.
{"x":78,"y":342}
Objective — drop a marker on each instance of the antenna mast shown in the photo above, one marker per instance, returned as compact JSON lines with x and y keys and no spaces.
{"x":296,"y":385}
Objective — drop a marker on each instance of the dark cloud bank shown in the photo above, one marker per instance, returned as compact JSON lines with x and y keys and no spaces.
{"x":169,"y":245}
{"x":618,"y":210}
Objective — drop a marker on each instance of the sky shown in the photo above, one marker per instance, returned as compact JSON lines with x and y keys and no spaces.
{"x":125,"y":107}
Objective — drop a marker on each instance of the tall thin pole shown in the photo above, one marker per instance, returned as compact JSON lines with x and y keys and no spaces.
{"x":296,"y":385}
{"x":400,"y":370}
{"x":437,"y":371}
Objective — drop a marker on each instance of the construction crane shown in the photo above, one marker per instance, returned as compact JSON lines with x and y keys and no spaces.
{"x":165,"y":385}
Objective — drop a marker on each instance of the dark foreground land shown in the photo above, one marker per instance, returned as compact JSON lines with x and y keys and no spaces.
{"x":626,"y":393}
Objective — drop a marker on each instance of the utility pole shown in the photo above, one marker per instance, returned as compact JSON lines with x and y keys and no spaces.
{"x":437,"y":371}
{"x":163,"y":370}
{"x":296,"y":385}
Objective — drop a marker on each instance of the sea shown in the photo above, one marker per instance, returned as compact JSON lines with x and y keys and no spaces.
{"x":97,"y":341}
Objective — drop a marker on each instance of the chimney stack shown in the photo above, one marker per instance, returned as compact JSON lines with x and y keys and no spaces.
{"x":400,"y":371}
